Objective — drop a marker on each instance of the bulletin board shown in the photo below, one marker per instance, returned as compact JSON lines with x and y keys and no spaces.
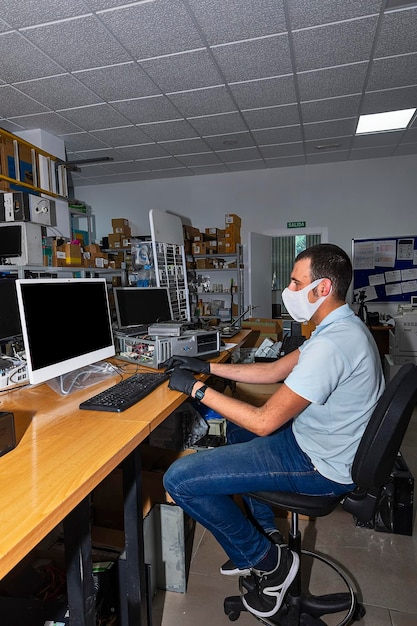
{"x":386,"y":268}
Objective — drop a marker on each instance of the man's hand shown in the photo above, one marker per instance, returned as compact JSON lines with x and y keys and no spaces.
{"x":187,"y":363}
{"x":181,"y":380}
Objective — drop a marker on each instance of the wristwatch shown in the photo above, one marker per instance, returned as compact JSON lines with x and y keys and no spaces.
{"x":199,"y":394}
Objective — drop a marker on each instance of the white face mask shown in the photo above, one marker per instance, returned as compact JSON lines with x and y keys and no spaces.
{"x":298,"y":304}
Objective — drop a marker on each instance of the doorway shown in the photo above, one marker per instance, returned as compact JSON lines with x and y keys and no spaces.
{"x":274,"y":251}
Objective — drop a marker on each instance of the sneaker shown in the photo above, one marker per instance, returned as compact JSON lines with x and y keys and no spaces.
{"x":230,"y":569}
{"x":266,"y":599}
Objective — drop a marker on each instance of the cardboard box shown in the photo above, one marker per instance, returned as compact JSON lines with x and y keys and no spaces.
{"x":58,"y":255}
{"x":253,"y":394}
{"x":190,"y":232}
{"x":199,"y":248}
{"x":232,"y":234}
{"x":211,"y":232}
{"x":73,"y":254}
{"x":263,"y":328}
{"x":120,"y":225}
{"x":232,"y":218}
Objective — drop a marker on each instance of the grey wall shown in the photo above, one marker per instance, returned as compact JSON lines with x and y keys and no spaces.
{"x":367,"y":198}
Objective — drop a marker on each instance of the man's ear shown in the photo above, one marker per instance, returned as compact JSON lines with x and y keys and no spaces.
{"x":325,"y":287}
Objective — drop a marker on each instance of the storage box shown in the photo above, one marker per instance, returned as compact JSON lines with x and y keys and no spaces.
{"x":73,"y":254}
{"x":256,"y":395}
{"x":263,"y":328}
{"x":232,"y":234}
{"x":232,"y":218}
{"x":120,"y":225}
{"x":190,"y":232}
{"x":199,"y":248}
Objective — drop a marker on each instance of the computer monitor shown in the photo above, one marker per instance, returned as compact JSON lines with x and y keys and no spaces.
{"x":10,"y":327}
{"x":141,"y":305}
{"x":66,"y":324}
{"x":21,"y":243}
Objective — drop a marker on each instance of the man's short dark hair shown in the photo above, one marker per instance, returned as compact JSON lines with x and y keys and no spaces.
{"x":329,"y":261}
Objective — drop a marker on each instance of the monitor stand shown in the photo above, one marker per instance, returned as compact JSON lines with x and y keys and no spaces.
{"x":82,"y":378}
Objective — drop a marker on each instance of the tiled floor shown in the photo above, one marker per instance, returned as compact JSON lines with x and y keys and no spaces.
{"x":383,"y":565}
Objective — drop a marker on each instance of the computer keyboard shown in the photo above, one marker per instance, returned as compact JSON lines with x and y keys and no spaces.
{"x":291,"y":342}
{"x":125,"y":393}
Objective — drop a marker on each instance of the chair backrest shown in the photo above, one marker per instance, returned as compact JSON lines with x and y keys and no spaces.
{"x":381,"y":441}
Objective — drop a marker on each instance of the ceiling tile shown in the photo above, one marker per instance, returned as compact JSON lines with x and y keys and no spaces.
{"x":377,"y":139}
{"x":121,"y":136}
{"x":329,"y":146}
{"x":285,"y":134}
{"x":336,"y":128}
{"x":58,"y":92}
{"x":169,"y":28}
{"x":398,"y":33}
{"x":164,"y":163}
{"x":271,"y":117}
{"x":20,"y":60}
{"x":20,"y":14}
{"x":82,"y":141}
{"x":210,"y":169}
{"x":203,"y":101}
{"x":371,"y":153}
{"x":94,"y":117}
{"x":78,"y":44}
{"x":334,"y":156}
{"x":146,"y":110}
{"x":232,"y":140}
{"x":334,"y":44}
{"x":390,"y":100}
{"x":244,"y":166}
{"x":263,"y":93}
{"x":282,"y":150}
{"x":332,"y":81}
{"x":290,"y":161}
{"x":14,"y":103}
{"x":185,"y":146}
{"x":333,"y":108}
{"x":190,"y":160}
{"x":393,"y":72}
{"x":307,"y":13}
{"x":189,"y":70}
{"x":405,"y":149}
{"x":51,"y":122}
{"x":248,"y":60}
{"x":144,"y":151}
{"x":218,"y":124}
{"x":239,"y":154}
{"x":179,"y":129}
{"x":118,"y":82}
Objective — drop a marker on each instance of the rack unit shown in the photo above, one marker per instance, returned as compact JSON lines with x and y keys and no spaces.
{"x":223,"y":283}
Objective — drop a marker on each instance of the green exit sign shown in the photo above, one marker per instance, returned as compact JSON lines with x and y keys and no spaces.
{"x":296,"y":224}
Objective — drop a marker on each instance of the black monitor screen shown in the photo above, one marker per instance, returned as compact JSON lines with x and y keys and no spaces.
{"x":11,"y":240}
{"x":66,"y":324}
{"x":9,"y":311}
{"x":141,"y":305}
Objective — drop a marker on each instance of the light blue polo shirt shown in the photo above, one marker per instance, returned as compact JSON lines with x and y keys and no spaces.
{"x":339,"y":371}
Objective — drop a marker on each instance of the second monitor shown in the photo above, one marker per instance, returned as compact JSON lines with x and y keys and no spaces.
{"x":137,"y":306}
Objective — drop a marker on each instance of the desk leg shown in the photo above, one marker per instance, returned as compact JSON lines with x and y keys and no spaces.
{"x":133,"y":523}
{"x":80,"y":585}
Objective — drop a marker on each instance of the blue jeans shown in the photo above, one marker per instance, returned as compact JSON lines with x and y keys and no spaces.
{"x":203,"y":485}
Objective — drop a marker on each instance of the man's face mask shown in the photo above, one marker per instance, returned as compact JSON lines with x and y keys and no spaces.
{"x":298,"y":304}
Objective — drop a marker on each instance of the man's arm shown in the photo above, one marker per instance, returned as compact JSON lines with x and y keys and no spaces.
{"x":282,"y":406}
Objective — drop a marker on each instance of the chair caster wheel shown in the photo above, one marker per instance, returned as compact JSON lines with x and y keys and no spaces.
{"x":233,"y":615}
{"x":359,"y":612}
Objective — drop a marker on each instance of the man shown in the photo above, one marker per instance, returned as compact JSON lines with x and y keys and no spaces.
{"x":303,"y":439}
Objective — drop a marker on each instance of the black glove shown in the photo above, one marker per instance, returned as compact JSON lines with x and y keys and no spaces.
{"x":181,"y":380}
{"x":187,"y":363}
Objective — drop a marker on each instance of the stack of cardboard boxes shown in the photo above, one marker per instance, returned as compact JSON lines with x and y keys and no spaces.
{"x":213,"y":241}
{"x":121,"y":235}
{"x":74,"y":255}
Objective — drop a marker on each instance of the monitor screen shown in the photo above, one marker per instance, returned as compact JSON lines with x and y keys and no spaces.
{"x":10,"y":326}
{"x":66,"y":324}
{"x":141,"y":305}
{"x":10,"y":240}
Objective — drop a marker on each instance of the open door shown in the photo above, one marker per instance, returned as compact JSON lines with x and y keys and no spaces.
{"x":259,"y":275}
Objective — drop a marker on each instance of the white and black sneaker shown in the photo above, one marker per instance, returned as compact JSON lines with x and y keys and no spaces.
{"x":230,"y":569}
{"x":267,"y":596}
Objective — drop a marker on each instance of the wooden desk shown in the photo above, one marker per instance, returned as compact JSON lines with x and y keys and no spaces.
{"x":62,"y":454}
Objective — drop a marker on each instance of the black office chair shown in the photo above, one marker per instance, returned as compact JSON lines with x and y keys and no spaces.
{"x":372,"y":466}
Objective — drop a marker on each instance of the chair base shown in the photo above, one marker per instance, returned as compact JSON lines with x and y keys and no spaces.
{"x":305,"y":609}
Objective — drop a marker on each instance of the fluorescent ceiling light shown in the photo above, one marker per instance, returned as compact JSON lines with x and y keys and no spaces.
{"x":380,"y":122}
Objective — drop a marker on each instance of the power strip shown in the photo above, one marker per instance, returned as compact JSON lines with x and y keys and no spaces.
{"x":13,"y":372}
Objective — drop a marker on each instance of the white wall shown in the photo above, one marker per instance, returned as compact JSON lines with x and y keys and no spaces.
{"x":368,"y":198}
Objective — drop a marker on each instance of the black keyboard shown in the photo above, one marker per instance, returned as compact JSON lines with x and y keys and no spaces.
{"x":291,"y":342}
{"x":126,"y":393}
